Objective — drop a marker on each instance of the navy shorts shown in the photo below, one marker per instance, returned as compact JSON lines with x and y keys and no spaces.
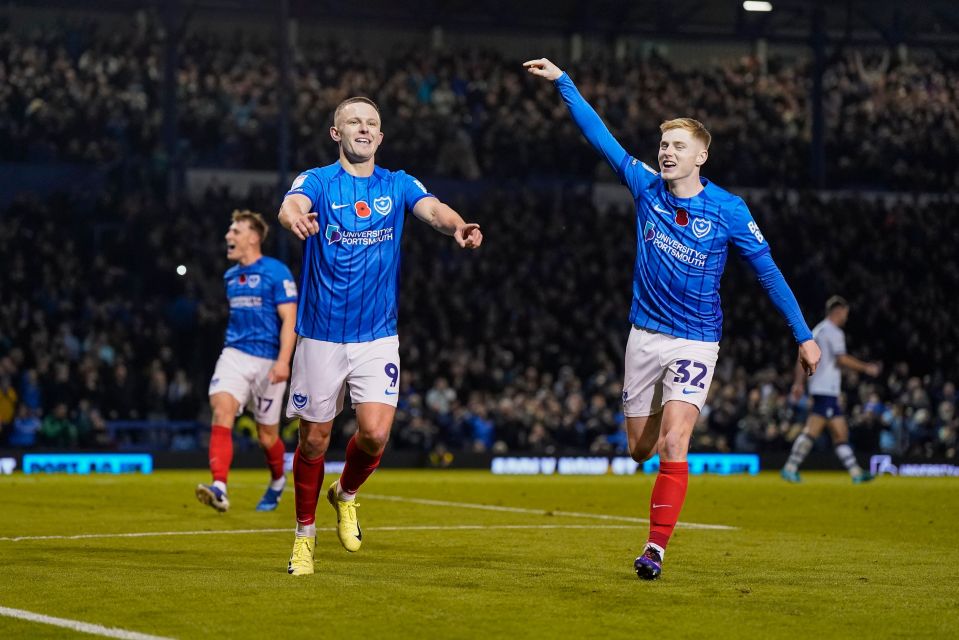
{"x":826,"y":406}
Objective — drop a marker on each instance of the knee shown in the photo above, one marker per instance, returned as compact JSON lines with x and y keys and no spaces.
{"x":641,"y":453}
{"x":267,"y":438}
{"x":373,"y":442}
{"x":222,"y":416}
{"x":673,"y":446}
{"x":314,"y":443}
{"x":223,"y":412}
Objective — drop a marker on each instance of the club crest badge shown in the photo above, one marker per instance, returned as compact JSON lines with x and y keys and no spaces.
{"x":383,"y":205}
{"x":701,"y":227}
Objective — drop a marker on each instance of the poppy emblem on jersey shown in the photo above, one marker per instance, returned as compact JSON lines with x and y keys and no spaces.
{"x":362,"y":209}
{"x":383,"y":205}
{"x":242,"y":278}
{"x":333,"y":233}
{"x":682,"y":217}
{"x":701,"y":227}
{"x":254,"y":280}
{"x":299,"y":400}
{"x":649,"y":232}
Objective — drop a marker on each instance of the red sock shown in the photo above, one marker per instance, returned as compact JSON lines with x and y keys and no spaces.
{"x":221,"y":452}
{"x":307,"y":480}
{"x":669,"y":492}
{"x":359,"y":466}
{"x":274,"y":458}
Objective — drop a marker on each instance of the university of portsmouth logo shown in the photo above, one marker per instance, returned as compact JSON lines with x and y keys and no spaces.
{"x":254,"y":281}
{"x":701,"y":227}
{"x":333,"y":233}
{"x":682,"y":217}
{"x":649,"y":232}
{"x":299,"y":400}
{"x":383,"y":205}
{"x":362,"y":209}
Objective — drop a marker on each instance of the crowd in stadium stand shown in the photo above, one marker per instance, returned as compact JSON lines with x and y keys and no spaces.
{"x":521,"y":350}
{"x":92,"y":94}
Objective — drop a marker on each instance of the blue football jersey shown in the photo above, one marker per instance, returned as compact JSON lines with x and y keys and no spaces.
{"x":254,"y":292}
{"x":683,"y":245}
{"x":351,"y":267}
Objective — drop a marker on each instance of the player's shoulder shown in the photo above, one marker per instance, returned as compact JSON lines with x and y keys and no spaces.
{"x":274,"y":265}
{"x":232,"y":271}
{"x":723,"y":197}
{"x":323,"y":174}
{"x":399,"y":176}
{"x":382,"y":173}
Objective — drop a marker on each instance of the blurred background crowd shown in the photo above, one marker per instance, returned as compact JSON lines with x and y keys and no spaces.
{"x":523,"y":352}
{"x":81,"y":94}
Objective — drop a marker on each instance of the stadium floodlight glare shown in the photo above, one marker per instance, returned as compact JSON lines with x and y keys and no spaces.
{"x":181,"y":270}
{"x":757,"y":5}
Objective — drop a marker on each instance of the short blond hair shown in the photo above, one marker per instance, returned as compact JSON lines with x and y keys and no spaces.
{"x":695,"y":127}
{"x":353,"y":100}
{"x":255,"y":220}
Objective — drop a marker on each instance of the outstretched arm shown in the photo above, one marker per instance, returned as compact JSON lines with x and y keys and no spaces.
{"x":585,"y":117}
{"x":782,"y":297}
{"x":847,"y":361}
{"x":295,"y":215}
{"x":444,"y":219}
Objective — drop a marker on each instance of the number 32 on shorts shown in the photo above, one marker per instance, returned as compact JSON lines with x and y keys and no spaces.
{"x":694,"y":376}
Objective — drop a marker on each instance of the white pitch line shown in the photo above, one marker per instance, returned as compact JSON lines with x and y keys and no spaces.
{"x":76,"y":625}
{"x":541,"y":512}
{"x":425,"y":527}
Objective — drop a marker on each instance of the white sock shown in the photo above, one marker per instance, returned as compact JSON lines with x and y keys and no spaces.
{"x":219,"y":484}
{"x":344,"y":495}
{"x":278,"y":484}
{"x":650,"y":545}
{"x":801,"y":448}
{"x":848,"y":459}
{"x":305,"y":530}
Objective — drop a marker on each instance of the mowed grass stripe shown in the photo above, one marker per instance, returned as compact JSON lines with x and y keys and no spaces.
{"x":424,"y":527}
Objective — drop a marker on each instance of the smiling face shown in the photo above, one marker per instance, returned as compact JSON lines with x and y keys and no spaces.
{"x":356,"y":127}
{"x":681,"y":154}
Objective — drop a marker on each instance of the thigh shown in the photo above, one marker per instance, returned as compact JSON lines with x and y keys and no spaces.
{"x":814,"y":425}
{"x":232,"y":375}
{"x":317,"y":381}
{"x":690,"y":368}
{"x":643,"y":378}
{"x":838,"y":429}
{"x":374,"y":372}
{"x":642,"y":434}
{"x":678,"y":422}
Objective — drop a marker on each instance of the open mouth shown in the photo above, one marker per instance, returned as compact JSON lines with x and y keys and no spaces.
{"x":364,"y":141}
{"x":668,"y":164}
{"x":230,"y":247}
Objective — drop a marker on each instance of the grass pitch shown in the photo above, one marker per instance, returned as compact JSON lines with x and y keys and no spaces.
{"x":822,"y":559}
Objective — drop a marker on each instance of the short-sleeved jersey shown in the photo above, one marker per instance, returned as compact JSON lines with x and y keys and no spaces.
{"x":254,"y":292}
{"x":827,"y":381}
{"x":351,"y":267}
{"x":681,"y":253}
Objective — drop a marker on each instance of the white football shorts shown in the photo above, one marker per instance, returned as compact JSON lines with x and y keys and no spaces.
{"x":246,"y":378}
{"x":321,"y":371}
{"x":660,"y":368}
